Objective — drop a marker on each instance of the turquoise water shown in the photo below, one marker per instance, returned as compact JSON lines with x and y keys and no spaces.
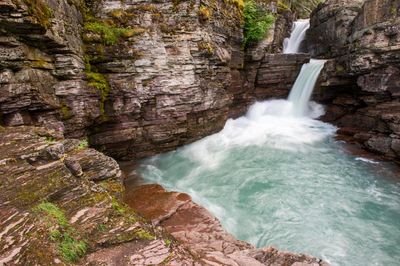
{"x":277,"y":179}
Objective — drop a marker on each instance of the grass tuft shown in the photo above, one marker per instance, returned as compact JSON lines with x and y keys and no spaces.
{"x":52,"y":210}
{"x":72,"y":249}
{"x":69,"y":246}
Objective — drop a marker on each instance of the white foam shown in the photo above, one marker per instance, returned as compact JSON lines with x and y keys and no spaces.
{"x":270,"y":123}
{"x":366,"y":160}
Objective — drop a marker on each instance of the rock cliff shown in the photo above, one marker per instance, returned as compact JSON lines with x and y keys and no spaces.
{"x":360,"y":83}
{"x":137,"y":78}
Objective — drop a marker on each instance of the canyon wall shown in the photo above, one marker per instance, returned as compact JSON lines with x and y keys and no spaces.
{"x":361,"y":81}
{"x":137,"y":78}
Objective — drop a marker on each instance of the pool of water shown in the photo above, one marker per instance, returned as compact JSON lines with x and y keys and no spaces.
{"x":273,"y":178}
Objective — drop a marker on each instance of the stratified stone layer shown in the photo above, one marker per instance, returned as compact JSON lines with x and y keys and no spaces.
{"x":361,"y":81}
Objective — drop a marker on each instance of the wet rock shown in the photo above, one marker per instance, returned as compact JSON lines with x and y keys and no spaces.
{"x":276,"y":75}
{"x":362,"y":47}
{"x":202,"y":233}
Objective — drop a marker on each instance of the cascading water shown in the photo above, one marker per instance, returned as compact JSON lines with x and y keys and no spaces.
{"x":276,"y":176}
{"x":303,"y":87}
{"x":292,"y":45}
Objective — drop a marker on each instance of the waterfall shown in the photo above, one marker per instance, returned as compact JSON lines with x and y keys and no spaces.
{"x":303,"y":87}
{"x":292,"y":45}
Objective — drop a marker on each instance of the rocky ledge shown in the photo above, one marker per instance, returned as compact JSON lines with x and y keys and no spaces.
{"x":200,"y":232}
{"x":60,"y":206}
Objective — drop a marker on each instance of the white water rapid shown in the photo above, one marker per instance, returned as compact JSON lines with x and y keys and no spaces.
{"x":292,"y":45}
{"x":277,"y":176}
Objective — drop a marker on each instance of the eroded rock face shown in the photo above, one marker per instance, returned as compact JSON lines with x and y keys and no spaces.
{"x":202,"y":233}
{"x":361,"y":80}
{"x":181,"y":82}
{"x":44,"y":204}
{"x":277,"y":73}
{"x":170,"y":80}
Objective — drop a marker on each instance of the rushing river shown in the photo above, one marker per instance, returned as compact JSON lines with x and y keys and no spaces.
{"x":277,"y":176}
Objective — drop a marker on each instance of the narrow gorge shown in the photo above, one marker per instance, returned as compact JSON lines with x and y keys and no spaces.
{"x":200,"y":132}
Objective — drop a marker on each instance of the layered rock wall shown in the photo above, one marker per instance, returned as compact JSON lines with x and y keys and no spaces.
{"x":137,"y":78}
{"x":361,"y":85}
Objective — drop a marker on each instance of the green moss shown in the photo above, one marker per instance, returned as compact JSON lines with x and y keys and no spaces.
{"x":40,"y":11}
{"x":112,"y":186}
{"x":102,"y":227}
{"x":55,"y":235}
{"x":65,"y":112}
{"x":237,"y":3}
{"x":142,"y":234}
{"x":302,"y":8}
{"x":53,"y":211}
{"x":117,"y":206}
{"x":168,"y":242}
{"x":167,"y":29}
{"x":99,"y":81}
{"x":110,"y":35}
{"x":50,"y":139}
{"x":83,"y":144}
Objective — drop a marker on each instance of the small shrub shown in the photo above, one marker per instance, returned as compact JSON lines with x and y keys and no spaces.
{"x":237,"y":3}
{"x":50,"y":140}
{"x":256,"y":22}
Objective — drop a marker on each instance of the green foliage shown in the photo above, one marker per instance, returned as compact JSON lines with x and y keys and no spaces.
{"x":257,"y":22}
{"x":118,"y":207}
{"x":102,"y":227}
{"x":83,"y":144}
{"x":99,"y":81}
{"x":69,"y":247}
{"x":53,"y":211}
{"x":110,"y":35}
{"x":142,"y":234}
{"x":50,"y":139}
{"x":55,"y":235}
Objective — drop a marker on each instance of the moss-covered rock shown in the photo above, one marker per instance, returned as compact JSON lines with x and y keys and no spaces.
{"x":54,"y":216}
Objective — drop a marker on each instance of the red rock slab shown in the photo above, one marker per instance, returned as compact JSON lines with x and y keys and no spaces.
{"x":199,"y":231}
{"x":154,"y":203}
